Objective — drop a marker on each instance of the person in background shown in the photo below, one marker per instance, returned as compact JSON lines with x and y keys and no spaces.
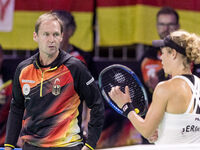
{"x":48,"y":93}
{"x":151,"y":67}
{"x":5,"y":99}
{"x":175,"y":108}
{"x":69,"y":29}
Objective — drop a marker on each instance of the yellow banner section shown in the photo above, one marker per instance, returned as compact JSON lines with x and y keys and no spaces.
{"x":21,"y":37}
{"x":190,"y":21}
{"x":127,"y":25}
{"x":83,"y":37}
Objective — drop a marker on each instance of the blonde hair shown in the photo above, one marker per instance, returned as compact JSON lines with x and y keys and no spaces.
{"x":47,"y":16}
{"x":191,"y":43}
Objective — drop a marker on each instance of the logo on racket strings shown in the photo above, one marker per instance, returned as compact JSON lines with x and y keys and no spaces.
{"x":119,"y":77}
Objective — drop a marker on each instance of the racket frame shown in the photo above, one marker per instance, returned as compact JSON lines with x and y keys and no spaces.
{"x":109,"y":101}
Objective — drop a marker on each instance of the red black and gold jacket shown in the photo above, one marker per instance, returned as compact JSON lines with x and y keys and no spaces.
{"x":47,"y":103}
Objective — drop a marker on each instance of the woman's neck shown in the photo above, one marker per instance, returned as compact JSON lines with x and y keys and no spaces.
{"x":181,"y":72}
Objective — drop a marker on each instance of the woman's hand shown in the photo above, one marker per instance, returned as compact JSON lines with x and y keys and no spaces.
{"x":153,"y":137}
{"x":119,"y":97}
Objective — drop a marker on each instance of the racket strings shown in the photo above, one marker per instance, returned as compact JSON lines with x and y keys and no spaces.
{"x":137,"y":96}
{"x":119,"y":77}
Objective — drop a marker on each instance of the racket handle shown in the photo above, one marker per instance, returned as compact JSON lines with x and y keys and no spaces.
{"x":127,"y":108}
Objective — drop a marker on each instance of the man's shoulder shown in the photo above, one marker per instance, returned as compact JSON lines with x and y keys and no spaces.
{"x":71,"y":61}
{"x":74,"y":62}
{"x":27,"y":61}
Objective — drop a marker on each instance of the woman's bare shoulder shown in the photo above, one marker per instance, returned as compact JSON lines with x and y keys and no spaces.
{"x":171,"y":86}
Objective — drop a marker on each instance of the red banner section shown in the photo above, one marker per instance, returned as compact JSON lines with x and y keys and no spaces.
{"x":193,"y":5}
{"x":46,"y":5}
{"x":26,"y":13}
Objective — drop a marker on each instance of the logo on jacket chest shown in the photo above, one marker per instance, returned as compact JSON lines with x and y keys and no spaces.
{"x":56,"y":87}
{"x":26,"y":89}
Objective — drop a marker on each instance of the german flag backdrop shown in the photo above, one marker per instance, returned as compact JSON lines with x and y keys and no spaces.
{"x":26,"y":13}
{"x":120,"y":22}
{"x":125,"y":22}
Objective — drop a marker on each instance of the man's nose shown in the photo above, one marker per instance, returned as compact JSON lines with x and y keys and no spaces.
{"x":166,"y":27}
{"x":51,"y":38}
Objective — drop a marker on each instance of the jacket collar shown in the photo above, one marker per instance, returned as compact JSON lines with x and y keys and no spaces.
{"x":61,"y":58}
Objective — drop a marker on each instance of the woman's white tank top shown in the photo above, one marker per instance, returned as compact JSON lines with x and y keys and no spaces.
{"x":182,"y":128}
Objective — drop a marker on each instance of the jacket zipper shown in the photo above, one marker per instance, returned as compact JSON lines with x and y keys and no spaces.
{"x":42,"y":79}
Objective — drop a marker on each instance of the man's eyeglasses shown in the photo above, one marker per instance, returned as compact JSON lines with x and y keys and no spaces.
{"x":166,"y":24}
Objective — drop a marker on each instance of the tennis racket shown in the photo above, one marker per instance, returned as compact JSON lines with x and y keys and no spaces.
{"x":119,"y":75}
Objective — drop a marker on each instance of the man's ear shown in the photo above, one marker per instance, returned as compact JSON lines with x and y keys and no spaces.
{"x":62,"y":35}
{"x":35,"y":37}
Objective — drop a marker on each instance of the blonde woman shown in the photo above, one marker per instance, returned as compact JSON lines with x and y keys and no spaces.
{"x":175,"y":108}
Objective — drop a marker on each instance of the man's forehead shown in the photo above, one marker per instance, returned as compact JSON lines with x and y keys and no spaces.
{"x":50,"y":26}
{"x":166,"y":18}
{"x":50,"y":23}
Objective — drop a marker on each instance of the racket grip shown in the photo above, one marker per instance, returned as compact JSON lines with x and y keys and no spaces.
{"x":127,"y":108}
